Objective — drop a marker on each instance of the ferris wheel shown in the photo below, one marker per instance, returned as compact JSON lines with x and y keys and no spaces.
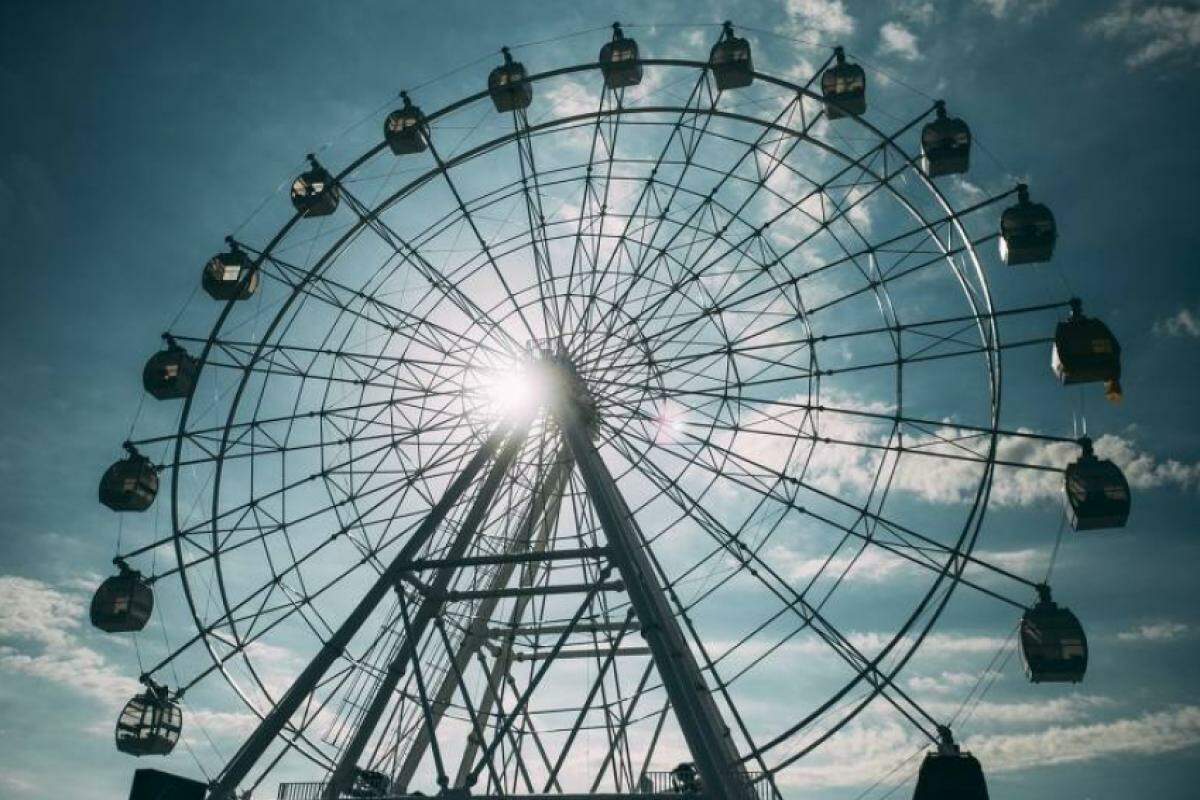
{"x":549,"y":439}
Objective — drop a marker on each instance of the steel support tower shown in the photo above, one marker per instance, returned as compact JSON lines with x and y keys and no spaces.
{"x":568,"y":407}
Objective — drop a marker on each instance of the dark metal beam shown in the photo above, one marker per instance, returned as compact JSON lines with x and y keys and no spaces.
{"x":543,"y":504}
{"x":253,"y":748}
{"x":707,"y":735}
{"x":431,"y":605}
{"x":548,"y":506}
{"x":591,"y":652}
{"x":546,"y":630}
{"x":537,"y":591}
{"x":510,"y":558}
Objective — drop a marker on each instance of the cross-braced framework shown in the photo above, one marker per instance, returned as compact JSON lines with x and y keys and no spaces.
{"x":548,"y":459}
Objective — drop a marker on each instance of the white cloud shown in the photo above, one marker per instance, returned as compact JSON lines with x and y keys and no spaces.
{"x":37,"y":612}
{"x":40,"y":625}
{"x":17,"y":782}
{"x":848,"y":462}
{"x":1145,"y":471}
{"x":1156,"y":30}
{"x":1021,"y":561}
{"x":873,"y":564}
{"x":899,"y":41}
{"x":870,"y":643}
{"x":1163,"y":631}
{"x":224,"y":724}
{"x":919,"y":12}
{"x":824,"y":16}
{"x":570,"y":97}
{"x":863,"y":753}
{"x":1184,"y":322}
{"x":857,"y":756}
{"x":948,"y":481}
{"x":78,"y":668}
{"x":1021,"y":9}
{"x":1149,"y":734}
{"x":943,"y":683}
{"x":1069,"y":708}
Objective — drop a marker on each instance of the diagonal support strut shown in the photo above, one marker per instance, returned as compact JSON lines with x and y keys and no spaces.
{"x":431,"y":605}
{"x":707,"y":735}
{"x":273,"y":723}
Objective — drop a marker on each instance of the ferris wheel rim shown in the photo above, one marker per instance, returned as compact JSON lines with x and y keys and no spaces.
{"x":974,"y":521}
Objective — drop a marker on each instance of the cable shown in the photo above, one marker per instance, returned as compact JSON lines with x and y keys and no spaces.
{"x":1062,"y":526}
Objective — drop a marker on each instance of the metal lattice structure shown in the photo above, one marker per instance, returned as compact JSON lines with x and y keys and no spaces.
{"x":572,"y":431}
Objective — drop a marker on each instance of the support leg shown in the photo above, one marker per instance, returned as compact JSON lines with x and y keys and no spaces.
{"x":266,"y":732}
{"x":707,"y":736}
{"x":431,"y":604}
{"x":551,"y":486}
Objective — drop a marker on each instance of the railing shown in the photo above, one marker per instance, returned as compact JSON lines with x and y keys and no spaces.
{"x":671,"y":783}
{"x":653,"y":783}
{"x":301,"y":791}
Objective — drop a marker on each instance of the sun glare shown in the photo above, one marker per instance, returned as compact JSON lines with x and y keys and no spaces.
{"x":513,"y":390}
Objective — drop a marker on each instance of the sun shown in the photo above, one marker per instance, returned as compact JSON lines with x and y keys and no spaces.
{"x":512,"y":390}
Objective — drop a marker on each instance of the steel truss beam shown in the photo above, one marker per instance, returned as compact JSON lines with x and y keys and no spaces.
{"x":539,"y":516}
{"x":273,"y":723}
{"x":706,"y":733}
{"x":512,"y":558}
{"x":708,"y":737}
{"x":431,"y":606}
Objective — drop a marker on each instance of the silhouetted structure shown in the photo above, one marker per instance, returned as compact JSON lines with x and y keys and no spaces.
{"x":1085,"y":351}
{"x":1097,"y":492}
{"x":150,"y":723}
{"x":230,"y":276}
{"x":405,"y":129}
{"x":619,"y":61}
{"x":122,"y":603}
{"x":1053,"y":644}
{"x":170,"y":374}
{"x":315,"y":193}
{"x":732,"y":67}
{"x":948,"y":773}
{"x":945,"y":145}
{"x":844,"y":87}
{"x":509,"y":86}
{"x":685,"y":779}
{"x":153,"y":784}
{"x":1027,"y":231}
{"x":369,"y":784}
{"x":130,"y":484}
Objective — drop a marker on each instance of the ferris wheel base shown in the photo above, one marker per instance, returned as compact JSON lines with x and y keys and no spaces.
{"x":153,"y":784}
{"x":460,"y":794}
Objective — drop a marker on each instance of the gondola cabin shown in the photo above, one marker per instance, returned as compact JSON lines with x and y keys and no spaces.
{"x":1027,"y":231}
{"x":230,"y":276}
{"x":1085,"y":351}
{"x":1053,"y":644}
{"x":123,"y":603}
{"x":315,"y":193}
{"x":950,"y":775}
{"x":509,"y":85}
{"x":619,"y":61}
{"x":149,"y":724}
{"x":170,"y":374}
{"x":844,"y":88}
{"x":405,"y":130}
{"x":730,"y":61}
{"x":945,"y":145}
{"x":1097,"y":492}
{"x":130,"y":484}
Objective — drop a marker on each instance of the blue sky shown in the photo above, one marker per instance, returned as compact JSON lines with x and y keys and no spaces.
{"x":140,"y":135}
